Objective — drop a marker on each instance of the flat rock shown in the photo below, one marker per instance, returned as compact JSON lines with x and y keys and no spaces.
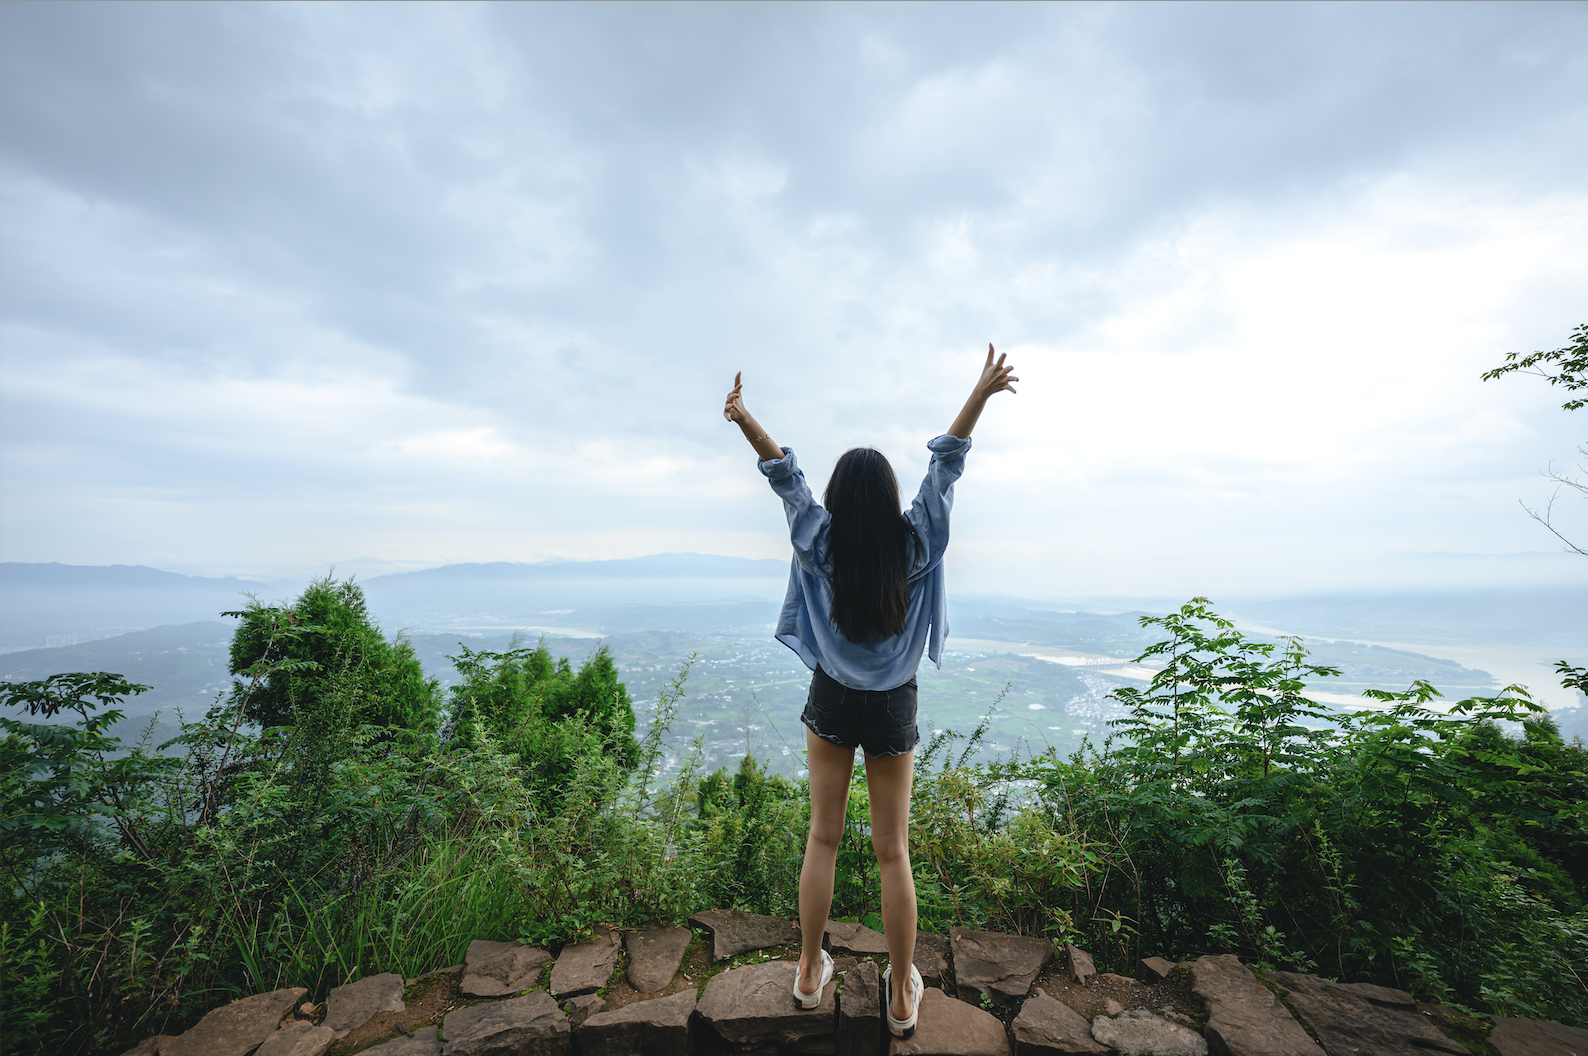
{"x":659,"y":1027}
{"x":582,"y":1008}
{"x":1140,"y":1033}
{"x":298,"y":1037}
{"x":350,"y":1006}
{"x":1363,"y":1018}
{"x":1078,"y":963}
{"x":425,"y":1041}
{"x":1244,"y":1019}
{"x":1156,"y":969}
{"x":531,"y":1025}
{"x":734,"y":932}
{"x":1111,"y":1007}
{"x":238,"y":1028}
{"x":755,"y":1004}
{"x":496,"y":969}
{"x":1049,"y":1027}
{"x":860,"y":1011}
{"x":1531,"y":1037}
{"x":952,"y":1028}
{"x":856,"y":938}
{"x":989,"y":962}
{"x":931,"y":955}
{"x":654,"y":956}
{"x":587,"y":967}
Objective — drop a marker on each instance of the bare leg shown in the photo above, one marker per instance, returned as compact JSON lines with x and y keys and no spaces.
{"x":831,"y":767}
{"x":889,"y":778}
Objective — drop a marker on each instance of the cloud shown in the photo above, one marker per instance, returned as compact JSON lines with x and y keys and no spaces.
{"x":287,"y":283}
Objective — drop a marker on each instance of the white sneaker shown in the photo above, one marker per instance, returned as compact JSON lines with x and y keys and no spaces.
{"x":902,"y":1028}
{"x":806,"y":1001}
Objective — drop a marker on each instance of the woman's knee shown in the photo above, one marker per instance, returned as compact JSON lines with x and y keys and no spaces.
{"x":890,"y":849}
{"x":826,"y":837}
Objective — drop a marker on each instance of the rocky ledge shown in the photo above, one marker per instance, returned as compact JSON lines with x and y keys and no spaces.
{"x":509,"y":998}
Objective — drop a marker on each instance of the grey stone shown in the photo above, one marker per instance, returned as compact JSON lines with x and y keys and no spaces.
{"x":350,"y":1006}
{"x":991,"y":963}
{"x":1244,"y":1019}
{"x":1363,"y":1018}
{"x":1111,"y":1007}
{"x":659,"y":1027}
{"x":150,"y":1046}
{"x":734,"y":932}
{"x":654,"y":956}
{"x":827,"y":1046}
{"x":587,"y":967}
{"x":531,"y":1025}
{"x":1140,"y":1033}
{"x":947,"y":1027}
{"x":931,"y":955}
{"x":582,"y":1008}
{"x":496,"y":969}
{"x":1532,"y":1037}
{"x":755,"y":1004}
{"x":856,"y":938}
{"x":238,"y":1028}
{"x":1078,"y":963}
{"x":298,"y":1037}
{"x":1049,"y":1027}
{"x":860,"y":1011}
{"x":1156,"y":969}
{"x":426,"y":1041}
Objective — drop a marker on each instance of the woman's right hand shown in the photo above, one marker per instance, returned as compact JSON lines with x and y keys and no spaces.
{"x":733,"y":408}
{"x":995,"y":377}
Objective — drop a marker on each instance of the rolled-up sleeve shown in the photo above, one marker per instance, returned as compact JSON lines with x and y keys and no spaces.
{"x":929,"y":512}
{"x":807,"y":520}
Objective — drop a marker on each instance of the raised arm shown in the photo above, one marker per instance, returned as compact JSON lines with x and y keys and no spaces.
{"x":766,"y":449}
{"x":995,"y":377}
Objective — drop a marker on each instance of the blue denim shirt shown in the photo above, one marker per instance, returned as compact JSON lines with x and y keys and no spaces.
{"x":805,"y":625}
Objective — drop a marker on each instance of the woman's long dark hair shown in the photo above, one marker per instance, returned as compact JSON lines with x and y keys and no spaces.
{"x":868,"y":544}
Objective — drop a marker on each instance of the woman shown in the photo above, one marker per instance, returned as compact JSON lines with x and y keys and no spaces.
{"x":865,"y":598}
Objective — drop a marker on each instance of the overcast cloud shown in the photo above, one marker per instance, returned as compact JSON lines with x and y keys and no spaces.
{"x":290,"y":284}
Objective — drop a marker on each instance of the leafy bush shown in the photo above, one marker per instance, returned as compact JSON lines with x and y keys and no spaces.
{"x":1443,"y":852}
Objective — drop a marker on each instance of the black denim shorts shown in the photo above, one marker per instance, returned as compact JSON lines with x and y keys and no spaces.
{"x":882,"y":721}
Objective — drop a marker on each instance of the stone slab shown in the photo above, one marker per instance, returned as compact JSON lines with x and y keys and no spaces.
{"x":1363,"y":1018}
{"x":1047,"y":1026}
{"x":995,"y":964}
{"x":1533,"y":1037}
{"x":659,"y":1027}
{"x":496,"y":969}
{"x":856,"y":938}
{"x":654,"y":956}
{"x":931,"y":955}
{"x":1140,"y":1033}
{"x":755,"y":1005}
{"x":586,"y":967}
{"x":425,"y":1041}
{"x":531,"y":1025}
{"x":860,"y":1025}
{"x":947,"y":1027}
{"x":1156,"y":969}
{"x":351,"y":1005}
{"x":298,"y":1037}
{"x":734,"y":932}
{"x":1078,"y":964}
{"x":1244,"y":1018}
{"x":236,"y":1029}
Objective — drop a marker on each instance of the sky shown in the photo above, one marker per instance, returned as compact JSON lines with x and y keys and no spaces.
{"x":292,"y":284}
